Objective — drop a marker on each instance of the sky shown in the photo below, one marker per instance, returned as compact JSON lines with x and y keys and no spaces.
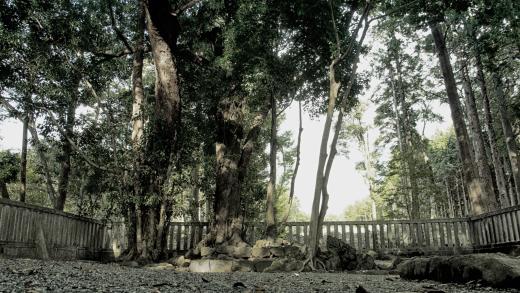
{"x":346,"y":185}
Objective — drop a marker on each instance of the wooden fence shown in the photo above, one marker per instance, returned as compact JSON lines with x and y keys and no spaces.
{"x":499,"y":228}
{"x":66,"y":235}
{"x":70,"y":236}
{"x":439,"y":235}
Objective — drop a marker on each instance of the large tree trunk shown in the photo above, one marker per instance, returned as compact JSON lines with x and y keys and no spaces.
{"x":512,"y":147}
{"x":23,"y":161}
{"x":270,"y":221}
{"x":474,"y":120}
{"x":233,"y":159}
{"x":488,"y":118}
{"x":482,"y":199}
{"x":159,"y":146}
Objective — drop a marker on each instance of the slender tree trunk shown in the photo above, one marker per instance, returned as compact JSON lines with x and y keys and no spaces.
{"x":271,"y":232}
{"x":315,"y":212}
{"x":407,"y":153}
{"x":23,"y":161}
{"x":65,"y":156}
{"x":406,"y":180}
{"x":297,"y":163}
{"x":512,"y":147}
{"x":482,"y":200}
{"x":134,"y":234}
{"x":195,"y":195}
{"x":474,"y":120}
{"x":39,"y":147}
{"x":325,"y":161}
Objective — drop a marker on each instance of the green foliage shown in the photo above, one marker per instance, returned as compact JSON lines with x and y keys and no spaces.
{"x":359,"y":211}
{"x":9,"y":166}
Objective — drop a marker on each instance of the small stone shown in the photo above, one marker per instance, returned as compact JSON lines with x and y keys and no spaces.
{"x":242,"y":252}
{"x":182,"y":262}
{"x":277,"y":251}
{"x":260,"y":252}
{"x":206,"y":251}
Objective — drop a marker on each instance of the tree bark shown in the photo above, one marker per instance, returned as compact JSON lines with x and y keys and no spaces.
{"x":314,"y":234}
{"x":488,"y":118}
{"x":297,"y":163}
{"x":233,"y":150}
{"x":195,"y":195}
{"x":159,"y":147}
{"x":482,"y":200}
{"x":271,"y":232}
{"x":474,"y":120}
{"x":133,"y":213}
{"x":23,"y":160}
{"x":512,"y":147}
{"x":65,"y":156}
{"x":319,"y":210}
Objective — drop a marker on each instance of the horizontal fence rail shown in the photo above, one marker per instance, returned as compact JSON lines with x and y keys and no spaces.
{"x":84,"y":237}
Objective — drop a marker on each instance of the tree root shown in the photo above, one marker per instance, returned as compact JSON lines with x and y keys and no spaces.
{"x":313,"y":264}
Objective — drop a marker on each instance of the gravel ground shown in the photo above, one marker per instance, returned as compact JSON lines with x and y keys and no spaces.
{"x":25,"y":275}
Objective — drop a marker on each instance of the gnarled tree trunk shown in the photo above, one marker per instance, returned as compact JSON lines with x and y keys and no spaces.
{"x":233,"y":150}
{"x":157,"y":153}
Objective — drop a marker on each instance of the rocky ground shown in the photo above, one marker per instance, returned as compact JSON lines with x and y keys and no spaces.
{"x":24,"y":275}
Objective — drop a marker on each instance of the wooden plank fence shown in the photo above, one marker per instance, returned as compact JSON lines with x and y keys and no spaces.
{"x":66,"y":235}
{"x":83,"y":236}
{"x":439,"y":235}
{"x":498,"y":228}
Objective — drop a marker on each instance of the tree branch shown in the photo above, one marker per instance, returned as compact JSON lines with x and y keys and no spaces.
{"x":119,"y":33}
{"x":185,"y":7}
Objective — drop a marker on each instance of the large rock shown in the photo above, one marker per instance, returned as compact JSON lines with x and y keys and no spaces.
{"x":242,"y":252}
{"x":365,"y":262}
{"x":221,"y":266}
{"x":284,"y":265}
{"x":181,"y":261}
{"x":261,"y":264}
{"x":260,"y":252}
{"x":340,"y":256}
{"x":242,"y":266}
{"x":211,"y":266}
{"x":498,"y":270}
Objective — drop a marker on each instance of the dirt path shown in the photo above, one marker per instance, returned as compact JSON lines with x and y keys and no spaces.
{"x":24,"y":275}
